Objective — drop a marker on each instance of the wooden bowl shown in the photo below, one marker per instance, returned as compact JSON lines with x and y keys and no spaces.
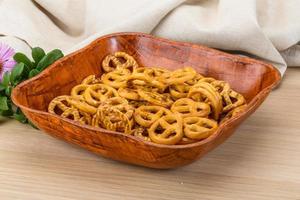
{"x":252,"y":78}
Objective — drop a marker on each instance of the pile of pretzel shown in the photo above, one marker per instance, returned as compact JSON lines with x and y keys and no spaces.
{"x":154,"y":104}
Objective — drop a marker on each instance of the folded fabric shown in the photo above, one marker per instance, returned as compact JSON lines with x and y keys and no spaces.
{"x":265,"y":29}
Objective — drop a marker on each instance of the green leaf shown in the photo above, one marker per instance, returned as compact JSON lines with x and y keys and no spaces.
{"x":22,"y":58}
{"x":2,"y":87}
{"x":6,"y":79}
{"x":7,"y":113}
{"x":8,"y":91}
{"x":31,"y":124}
{"x":3,"y":103}
{"x":50,"y":58}
{"x":37,"y":54}
{"x":20,"y":117}
{"x":33,"y":73}
{"x":17,"y":72}
{"x":25,"y":73}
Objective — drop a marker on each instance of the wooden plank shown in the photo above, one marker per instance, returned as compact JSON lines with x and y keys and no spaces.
{"x":260,"y":161}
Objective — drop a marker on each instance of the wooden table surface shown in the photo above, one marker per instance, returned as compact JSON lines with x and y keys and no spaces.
{"x":260,"y":161}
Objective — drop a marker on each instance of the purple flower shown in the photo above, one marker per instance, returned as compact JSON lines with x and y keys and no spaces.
{"x":7,"y":62}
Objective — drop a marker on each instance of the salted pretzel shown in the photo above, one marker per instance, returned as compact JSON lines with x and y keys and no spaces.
{"x":198,"y":128}
{"x":231,"y":99}
{"x":144,"y":76}
{"x":95,"y":94}
{"x":112,"y":119}
{"x":223,"y":89}
{"x":59,"y":104}
{"x":78,"y":91}
{"x":85,"y":118}
{"x":129,"y":93}
{"x":119,"y":60}
{"x":233,"y":112}
{"x":189,"y":108}
{"x":137,"y":104}
{"x":115,"y":101}
{"x":141,"y":132}
{"x":117,"y":78}
{"x":91,"y":80}
{"x":145,"y":116}
{"x":235,"y":99}
{"x":167,"y":129}
{"x":157,"y":72}
{"x":178,"y":91}
{"x":138,"y":78}
{"x":181,"y":90}
{"x":81,"y":105}
{"x":180,"y":75}
{"x":207,"y":79}
{"x":71,"y":113}
{"x":120,"y":104}
{"x":221,"y":86}
{"x":193,"y":81}
{"x":156,"y":98}
{"x":207,"y":93}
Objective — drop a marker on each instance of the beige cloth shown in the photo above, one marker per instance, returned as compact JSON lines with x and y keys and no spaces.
{"x":266,"y":29}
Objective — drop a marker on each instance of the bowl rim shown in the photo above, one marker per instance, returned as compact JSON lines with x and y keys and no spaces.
{"x":250,"y":106}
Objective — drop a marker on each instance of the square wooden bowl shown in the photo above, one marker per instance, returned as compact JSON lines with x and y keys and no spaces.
{"x":252,"y":78}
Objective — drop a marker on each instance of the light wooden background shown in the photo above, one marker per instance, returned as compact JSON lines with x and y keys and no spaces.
{"x":260,"y":161}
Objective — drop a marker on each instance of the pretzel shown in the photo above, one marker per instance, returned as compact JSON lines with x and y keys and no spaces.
{"x":166,"y":130}
{"x":95,"y":94}
{"x":118,"y":60}
{"x":157,"y":72}
{"x":180,"y":75}
{"x":206,"y":92}
{"x":81,"y":105}
{"x":120,"y":104}
{"x":141,"y":132}
{"x":112,"y":119}
{"x":235,"y":99}
{"x":179,"y":90}
{"x":221,"y":86}
{"x":156,"y":98}
{"x":145,"y":116}
{"x":233,"y":113}
{"x":117,"y":78}
{"x":143,"y":76}
{"x":193,"y":81}
{"x":129,"y":93}
{"x":137,"y":104}
{"x":115,"y":101}
{"x":198,"y":128}
{"x":207,"y":80}
{"x":90,"y":80}
{"x":59,"y":104}
{"x":71,"y":113}
{"x":85,"y":118}
{"x":231,"y":99}
{"x":78,"y":91}
{"x":189,"y":108}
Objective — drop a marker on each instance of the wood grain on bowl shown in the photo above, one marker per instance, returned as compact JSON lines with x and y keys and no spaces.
{"x":252,"y":78}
